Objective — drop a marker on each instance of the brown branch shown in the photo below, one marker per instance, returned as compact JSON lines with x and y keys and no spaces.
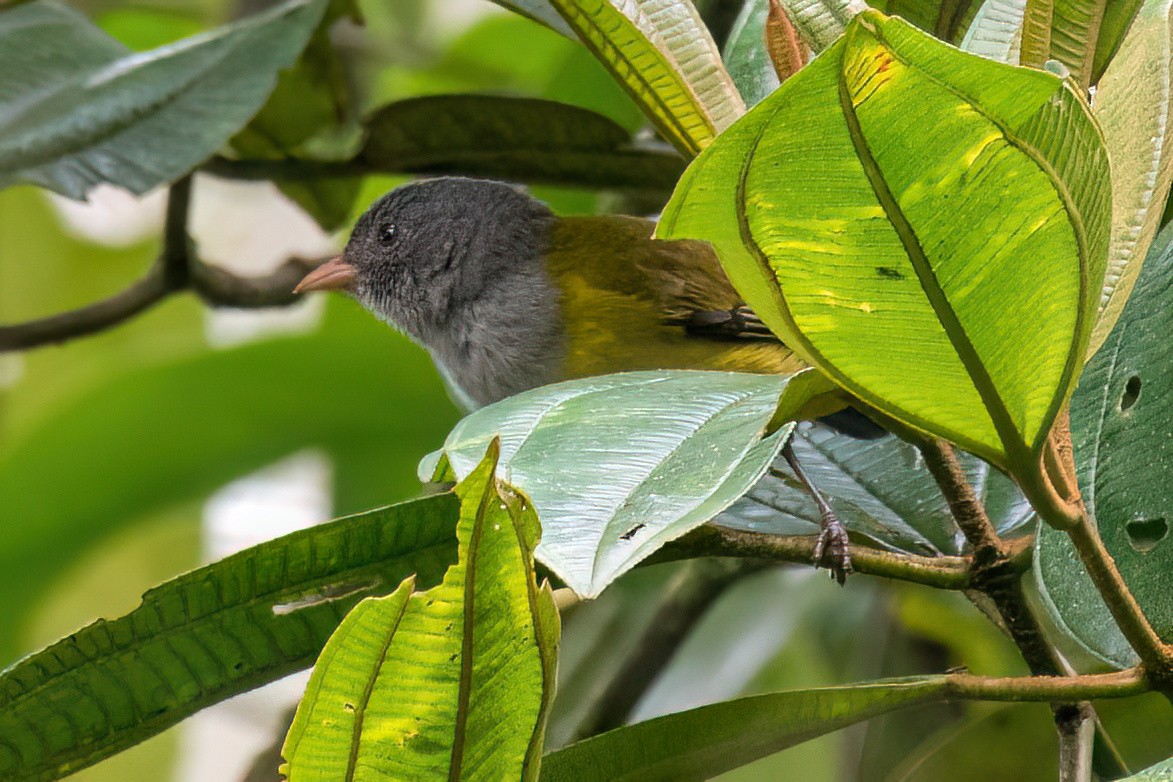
{"x":219,"y":288}
{"x":993,"y":572}
{"x":139,"y":297}
{"x":942,"y":572}
{"x":1023,"y":689}
{"x":176,"y":269}
{"x":167,"y":275}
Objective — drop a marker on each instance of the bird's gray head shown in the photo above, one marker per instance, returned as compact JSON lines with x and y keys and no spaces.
{"x":460,"y":265}
{"x":425,"y":252}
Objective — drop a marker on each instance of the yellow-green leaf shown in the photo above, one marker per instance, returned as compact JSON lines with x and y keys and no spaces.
{"x":899,"y":209}
{"x":662,"y":54}
{"x":1133,"y":105}
{"x":453,"y":683}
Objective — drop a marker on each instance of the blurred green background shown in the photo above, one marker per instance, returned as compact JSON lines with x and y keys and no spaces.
{"x":121,"y":454}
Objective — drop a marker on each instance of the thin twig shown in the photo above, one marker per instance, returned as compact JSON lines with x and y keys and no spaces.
{"x":942,"y":572}
{"x":167,"y":275}
{"x":140,"y":296}
{"x":175,"y":270}
{"x":1118,"y":684}
{"x":223,"y":289}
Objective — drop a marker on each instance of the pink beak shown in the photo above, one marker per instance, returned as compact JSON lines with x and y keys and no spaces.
{"x":333,"y":275}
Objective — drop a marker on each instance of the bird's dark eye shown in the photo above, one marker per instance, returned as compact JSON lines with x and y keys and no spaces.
{"x":386,"y":234}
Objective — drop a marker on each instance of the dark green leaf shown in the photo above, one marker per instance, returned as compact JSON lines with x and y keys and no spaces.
{"x":746,"y":56}
{"x":516,"y":139}
{"x":945,"y":19}
{"x":179,"y":429}
{"x":205,"y":636}
{"x":703,"y":742}
{"x":77,"y":45}
{"x":312,"y":101}
{"x":880,"y":489}
{"x":137,"y":121}
{"x":1123,"y":447}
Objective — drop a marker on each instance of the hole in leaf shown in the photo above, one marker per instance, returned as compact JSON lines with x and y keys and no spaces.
{"x":326,"y":594}
{"x":1145,"y":534}
{"x":1131,"y":393}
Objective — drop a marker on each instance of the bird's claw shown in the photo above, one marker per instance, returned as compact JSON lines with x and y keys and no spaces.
{"x":831,"y":550}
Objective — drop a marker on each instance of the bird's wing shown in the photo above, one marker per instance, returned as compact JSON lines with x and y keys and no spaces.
{"x":682,"y":279}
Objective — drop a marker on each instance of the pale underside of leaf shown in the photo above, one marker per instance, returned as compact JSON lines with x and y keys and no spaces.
{"x":821,"y":22}
{"x":621,"y":464}
{"x":996,"y":31}
{"x":1133,"y":106}
{"x":676,"y":25}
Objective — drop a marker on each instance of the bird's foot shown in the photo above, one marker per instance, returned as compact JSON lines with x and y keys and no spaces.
{"x":831,"y":549}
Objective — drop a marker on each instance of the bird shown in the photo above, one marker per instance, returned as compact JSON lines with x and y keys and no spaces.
{"x":506,"y":296}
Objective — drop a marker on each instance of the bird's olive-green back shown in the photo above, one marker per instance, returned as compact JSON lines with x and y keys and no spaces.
{"x":625,"y":294}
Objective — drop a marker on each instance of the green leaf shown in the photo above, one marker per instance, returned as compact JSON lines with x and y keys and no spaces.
{"x":454,"y":682}
{"x":513,"y":138}
{"x":312,"y":113}
{"x":996,"y":31}
{"x":945,"y":19}
{"x":1086,"y":33}
{"x":1005,"y":741}
{"x":619,"y":465}
{"x":1135,"y":108}
{"x":179,"y":429}
{"x":880,"y":490}
{"x":210,"y":634}
{"x":1162,"y":772}
{"x":703,"y":742}
{"x":662,"y":54}
{"x":899,"y":206}
{"x":137,"y":121}
{"x":822,"y":22}
{"x":77,"y":46}
{"x":746,"y":55}
{"x":1120,"y":425}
